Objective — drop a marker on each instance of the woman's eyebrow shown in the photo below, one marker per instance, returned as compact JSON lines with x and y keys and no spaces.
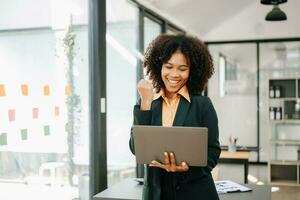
{"x":175,"y":64}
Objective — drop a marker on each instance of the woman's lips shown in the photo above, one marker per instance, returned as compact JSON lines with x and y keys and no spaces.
{"x":173,"y":82}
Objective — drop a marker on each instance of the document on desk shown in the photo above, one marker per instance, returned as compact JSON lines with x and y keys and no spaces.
{"x":227,"y":186}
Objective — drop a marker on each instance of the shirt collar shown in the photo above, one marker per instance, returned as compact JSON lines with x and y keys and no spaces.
{"x":183,"y":92}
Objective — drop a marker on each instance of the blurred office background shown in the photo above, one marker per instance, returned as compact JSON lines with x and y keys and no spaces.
{"x":48,"y":134}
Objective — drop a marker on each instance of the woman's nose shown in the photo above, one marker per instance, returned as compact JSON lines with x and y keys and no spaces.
{"x":174,"y":73}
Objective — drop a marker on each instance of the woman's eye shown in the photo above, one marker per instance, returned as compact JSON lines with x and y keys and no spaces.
{"x":183,"y":69}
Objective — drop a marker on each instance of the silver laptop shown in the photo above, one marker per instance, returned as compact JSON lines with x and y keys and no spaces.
{"x":188,"y":143}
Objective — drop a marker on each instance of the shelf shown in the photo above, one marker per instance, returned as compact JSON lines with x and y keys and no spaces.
{"x":284,"y":162}
{"x":287,"y":87}
{"x":284,"y":98}
{"x":285,"y":78}
{"x":285,"y":121}
{"x":295,"y":142}
{"x":284,"y":182}
{"x":298,"y":88}
{"x":284,"y":172}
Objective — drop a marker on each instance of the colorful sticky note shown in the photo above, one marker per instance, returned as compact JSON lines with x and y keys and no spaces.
{"x":46,"y":130}
{"x":3,"y":139}
{"x":2,"y":90}
{"x":35,"y":113}
{"x":24,"y":135}
{"x":11,"y":115}
{"x":46,"y":90}
{"x":56,"y":111}
{"x":68,"y":90}
{"x":24,"y":89}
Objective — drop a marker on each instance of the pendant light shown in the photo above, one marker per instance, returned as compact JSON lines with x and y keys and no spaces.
{"x":276,"y":14}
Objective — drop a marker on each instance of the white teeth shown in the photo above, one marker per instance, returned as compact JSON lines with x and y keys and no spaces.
{"x":173,"y":82}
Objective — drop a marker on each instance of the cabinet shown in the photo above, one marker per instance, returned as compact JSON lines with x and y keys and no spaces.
{"x":284,"y":118}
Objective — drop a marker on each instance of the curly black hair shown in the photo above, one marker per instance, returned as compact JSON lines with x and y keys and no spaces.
{"x":198,"y":57}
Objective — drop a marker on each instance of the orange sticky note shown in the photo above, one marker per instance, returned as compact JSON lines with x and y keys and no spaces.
{"x":56,"y":111}
{"x":68,"y":90}
{"x":2,"y":90}
{"x":24,"y":89}
{"x":11,"y":115}
{"x":46,"y":90}
{"x":35,"y":113}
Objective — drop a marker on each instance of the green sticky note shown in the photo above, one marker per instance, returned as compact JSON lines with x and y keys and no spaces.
{"x":24,"y":134}
{"x":46,"y":130}
{"x":3,"y":139}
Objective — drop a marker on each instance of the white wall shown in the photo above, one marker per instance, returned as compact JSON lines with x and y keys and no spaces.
{"x":250,"y":24}
{"x":20,"y":14}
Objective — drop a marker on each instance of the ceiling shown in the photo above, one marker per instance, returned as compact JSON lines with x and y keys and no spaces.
{"x":198,"y":15}
{"x":224,"y":19}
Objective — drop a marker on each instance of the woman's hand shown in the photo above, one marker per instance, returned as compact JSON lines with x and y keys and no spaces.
{"x":145,"y":89}
{"x":170,"y":164}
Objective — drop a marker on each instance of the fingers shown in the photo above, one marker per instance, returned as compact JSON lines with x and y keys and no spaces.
{"x":167,"y":158}
{"x":155,"y":163}
{"x":145,"y":85}
{"x":145,"y":90}
{"x":182,"y":168}
{"x":173,"y":162}
{"x":170,"y":164}
{"x":172,"y":158}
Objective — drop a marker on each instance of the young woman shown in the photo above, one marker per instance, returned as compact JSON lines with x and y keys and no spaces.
{"x":179,"y":67}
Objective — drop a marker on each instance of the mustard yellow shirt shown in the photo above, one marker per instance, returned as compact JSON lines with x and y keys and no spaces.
{"x":169,"y":106}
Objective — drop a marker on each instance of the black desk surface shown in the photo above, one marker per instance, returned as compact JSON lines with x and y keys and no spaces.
{"x":129,"y":189}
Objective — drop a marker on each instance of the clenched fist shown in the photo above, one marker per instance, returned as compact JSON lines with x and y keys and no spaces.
{"x":145,"y":89}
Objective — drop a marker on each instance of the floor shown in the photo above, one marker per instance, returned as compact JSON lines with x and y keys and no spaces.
{"x":17,"y":191}
{"x":257,"y":175}
{"x":234,"y":172}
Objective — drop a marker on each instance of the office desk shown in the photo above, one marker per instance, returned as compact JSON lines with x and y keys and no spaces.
{"x":237,"y":157}
{"x":129,"y":189}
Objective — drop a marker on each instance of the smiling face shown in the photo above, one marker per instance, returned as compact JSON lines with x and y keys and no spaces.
{"x":175,"y":73}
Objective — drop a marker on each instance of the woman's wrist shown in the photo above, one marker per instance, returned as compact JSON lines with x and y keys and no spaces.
{"x":146,"y":105}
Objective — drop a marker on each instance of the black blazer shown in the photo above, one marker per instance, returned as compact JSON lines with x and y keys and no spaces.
{"x":197,"y":113}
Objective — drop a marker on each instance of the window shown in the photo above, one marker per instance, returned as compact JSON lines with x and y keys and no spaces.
{"x":44,"y":100}
{"x":122,"y":56}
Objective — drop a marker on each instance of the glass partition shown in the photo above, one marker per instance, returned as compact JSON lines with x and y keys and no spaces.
{"x":44,"y":100}
{"x":279,"y":70}
{"x":152,"y":28}
{"x":233,"y":90}
{"x":122,"y":55}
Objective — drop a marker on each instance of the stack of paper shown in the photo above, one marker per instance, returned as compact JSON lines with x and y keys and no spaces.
{"x":227,"y":186}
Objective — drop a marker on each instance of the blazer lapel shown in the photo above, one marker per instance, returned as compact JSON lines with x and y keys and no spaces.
{"x":157,"y":112}
{"x":181,"y":112}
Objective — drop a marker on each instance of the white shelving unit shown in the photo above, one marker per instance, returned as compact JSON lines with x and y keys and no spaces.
{"x":283,"y":165}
